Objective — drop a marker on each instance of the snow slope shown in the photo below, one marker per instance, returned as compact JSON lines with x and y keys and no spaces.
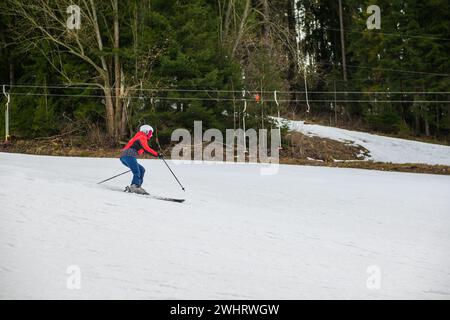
{"x":306,"y":232}
{"x":382,"y":149}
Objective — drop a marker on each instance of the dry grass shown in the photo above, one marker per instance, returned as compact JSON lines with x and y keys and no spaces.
{"x":74,"y":146}
{"x":370,"y":165}
{"x":301,"y":146}
{"x":300,"y":150}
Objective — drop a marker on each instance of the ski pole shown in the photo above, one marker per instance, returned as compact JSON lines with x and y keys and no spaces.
{"x":173,"y":173}
{"x":114,"y":176}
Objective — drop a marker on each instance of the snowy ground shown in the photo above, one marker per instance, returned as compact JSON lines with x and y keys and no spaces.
{"x":306,"y":232}
{"x":382,"y":149}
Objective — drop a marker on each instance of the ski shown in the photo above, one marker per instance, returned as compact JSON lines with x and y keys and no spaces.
{"x":164,"y":198}
{"x":146,"y":194}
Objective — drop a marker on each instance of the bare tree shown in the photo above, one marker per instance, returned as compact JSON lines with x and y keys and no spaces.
{"x":44,"y":22}
{"x":233,"y":22}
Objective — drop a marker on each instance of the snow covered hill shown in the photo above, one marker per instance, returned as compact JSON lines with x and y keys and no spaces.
{"x":382,"y":149}
{"x":306,"y":232}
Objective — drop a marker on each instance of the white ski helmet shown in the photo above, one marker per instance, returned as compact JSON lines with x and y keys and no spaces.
{"x":146,"y":129}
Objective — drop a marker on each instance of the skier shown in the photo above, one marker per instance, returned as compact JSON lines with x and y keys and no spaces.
{"x":137,"y":146}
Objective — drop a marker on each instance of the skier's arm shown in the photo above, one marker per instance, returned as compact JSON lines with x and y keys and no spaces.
{"x":146,"y":148}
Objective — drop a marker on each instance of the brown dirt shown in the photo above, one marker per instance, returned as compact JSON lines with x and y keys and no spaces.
{"x":370,"y":165}
{"x":299,"y":149}
{"x":301,"y":146}
{"x":74,"y":147}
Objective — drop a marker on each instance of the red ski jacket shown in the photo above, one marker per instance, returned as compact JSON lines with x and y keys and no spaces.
{"x":138,"y":145}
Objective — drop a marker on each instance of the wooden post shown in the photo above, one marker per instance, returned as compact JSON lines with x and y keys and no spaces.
{"x":335,"y":105}
{"x":8,"y":100}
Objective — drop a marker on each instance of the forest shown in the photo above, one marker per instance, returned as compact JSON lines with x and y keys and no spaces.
{"x":102,"y":71}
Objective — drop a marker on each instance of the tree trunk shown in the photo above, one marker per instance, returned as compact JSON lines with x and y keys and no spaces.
{"x":344,"y":60}
{"x":119,"y":130}
{"x":292,"y":58}
{"x":427,"y":125}
{"x":416,"y":123}
{"x":123,"y":116}
{"x":341,"y":24}
{"x":266,"y":25}
{"x":105,"y":74}
{"x":11,"y":71}
{"x":241,"y":27}
{"x":109,"y":105}
{"x":227,"y":21}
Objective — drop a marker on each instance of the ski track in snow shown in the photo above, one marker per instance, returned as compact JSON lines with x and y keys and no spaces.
{"x":382,"y":149}
{"x":306,"y":232}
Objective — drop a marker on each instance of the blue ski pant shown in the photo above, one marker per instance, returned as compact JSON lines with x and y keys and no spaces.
{"x":137,"y":170}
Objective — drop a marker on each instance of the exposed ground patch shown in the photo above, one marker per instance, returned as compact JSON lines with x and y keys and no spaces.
{"x":300,"y":150}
